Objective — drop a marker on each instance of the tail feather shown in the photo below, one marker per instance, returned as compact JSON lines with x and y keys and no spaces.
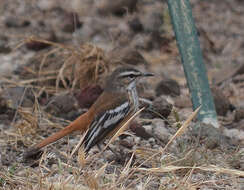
{"x":80,"y":124}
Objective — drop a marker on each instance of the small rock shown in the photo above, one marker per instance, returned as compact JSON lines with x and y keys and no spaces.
{"x":7,"y":159}
{"x":137,"y":140}
{"x":210,"y":136}
{"x":161,"y":42}
{"x":142,"y":41}
{"x":182,"y":102}
{"x":160,"y":131}
{"x":240,"y":70}
{"x":6,"y":116}
{"x":237,"y":160}
{"x":156,"y":147}
{"x":235,"y":134}
{"x":4,"y":48}
{"x":239,"y":114}
{"x":133,"y":57}
{"x":238,"y":125}
{"x":3,"y":105}
{"x":148,"y":128}
{"x":152,"y":19}
{"x":93,"y":29}
{"x":61,"y":105}
{"x":158,"y":122}
{"x":168,"y":86}
{"x":238,"y":78}
{"x":84,"y":7}
{"x":87,"y":96}
{"x":161,"y":108}
{"x":222,"y":103}
{"x":118,"y":7}
{"x":46,"y":5}
{"x":126,"y":144}
{"x":71,"y":22}
{"x":139,"y":131}
{"x":151,"y":141}
{"x":135,"y":25}
{"x":37,"y":45}
{"x":228,"y":72}
{"x":18,"y":96}
{"x":14,"y":22}
{"x":127,"y":56}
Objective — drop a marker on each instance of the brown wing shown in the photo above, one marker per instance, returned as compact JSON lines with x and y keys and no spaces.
{"x":108,"y":118}
{"x":108,"y":101}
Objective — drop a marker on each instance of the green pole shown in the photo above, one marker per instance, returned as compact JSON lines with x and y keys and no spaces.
{"x":192,"y":60}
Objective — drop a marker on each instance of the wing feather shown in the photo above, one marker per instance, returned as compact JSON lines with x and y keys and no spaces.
{"x":104,"y":123}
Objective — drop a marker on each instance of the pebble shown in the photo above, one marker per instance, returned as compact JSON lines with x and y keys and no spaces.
{"x":4,"y":46}
{"x":168,"y":86}
{"x":61,"y":105}
{"x":139,"y":131}
{"x":160,"y":130}
{"x":88,"y":95}
{"x":38,"y":45}
{"x":18,"y":96}
{"x":148,"y":128}
{"x":118,"y":8}
{"x":160,"y":108}
{"x":222,"y":103}
{"x":239,"y":114}
{"x":135,"y":25}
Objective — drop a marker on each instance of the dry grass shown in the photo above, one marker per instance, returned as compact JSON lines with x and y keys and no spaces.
{"x":145,"y":168}
{"x":62,"y":67}
{"x":93,"y":173}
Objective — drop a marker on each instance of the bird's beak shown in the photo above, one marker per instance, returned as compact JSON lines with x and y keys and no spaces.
{"x":147,"y":74}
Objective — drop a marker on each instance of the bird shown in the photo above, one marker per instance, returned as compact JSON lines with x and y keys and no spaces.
{"x":118,"y":102}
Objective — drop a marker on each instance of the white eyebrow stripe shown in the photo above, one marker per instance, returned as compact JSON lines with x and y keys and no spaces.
{"x":129,"y":73}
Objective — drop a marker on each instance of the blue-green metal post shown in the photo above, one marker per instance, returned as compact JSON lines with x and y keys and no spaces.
{"x":192,"y":60}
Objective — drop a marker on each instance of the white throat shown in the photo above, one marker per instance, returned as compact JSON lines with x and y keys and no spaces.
{"x":133,"y":96}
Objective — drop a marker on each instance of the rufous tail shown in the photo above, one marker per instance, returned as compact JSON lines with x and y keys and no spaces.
{"x":80,"y":124}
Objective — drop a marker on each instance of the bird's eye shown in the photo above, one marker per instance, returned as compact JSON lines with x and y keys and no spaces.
{"x":131,"y":76}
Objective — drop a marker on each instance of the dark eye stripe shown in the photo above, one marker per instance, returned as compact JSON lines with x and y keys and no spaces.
{"x":131,"y":76}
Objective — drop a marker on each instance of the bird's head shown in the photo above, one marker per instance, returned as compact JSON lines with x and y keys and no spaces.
{"x":125,"y":78}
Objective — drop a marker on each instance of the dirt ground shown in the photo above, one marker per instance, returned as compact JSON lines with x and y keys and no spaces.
{"x":54,"y":58}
